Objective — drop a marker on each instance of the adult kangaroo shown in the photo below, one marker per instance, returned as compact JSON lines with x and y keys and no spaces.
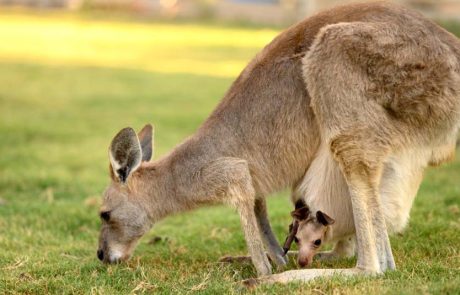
{"x":360,"y":83}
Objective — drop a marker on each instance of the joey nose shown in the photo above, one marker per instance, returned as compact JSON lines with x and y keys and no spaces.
{"x":100,"y":254}
{"x":303,"y":262}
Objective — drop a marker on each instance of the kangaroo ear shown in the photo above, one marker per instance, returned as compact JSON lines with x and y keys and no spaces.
{"x":301,"y":213}
{"x":146,"y":140}
{"x":324,"y":219}
{"x":125,"y":153}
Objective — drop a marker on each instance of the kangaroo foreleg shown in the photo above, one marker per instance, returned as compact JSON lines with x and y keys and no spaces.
{"x":252,"y":236}
{"x":229,"y":179}
{"x":272,"y":246}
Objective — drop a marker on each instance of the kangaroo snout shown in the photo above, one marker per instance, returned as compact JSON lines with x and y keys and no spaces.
{"x":110,"y":257}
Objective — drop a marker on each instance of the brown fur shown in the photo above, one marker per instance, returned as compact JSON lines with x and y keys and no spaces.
{"x":365,"y":80}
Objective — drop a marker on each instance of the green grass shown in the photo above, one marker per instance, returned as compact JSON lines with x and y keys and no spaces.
{"x":67,"y":85}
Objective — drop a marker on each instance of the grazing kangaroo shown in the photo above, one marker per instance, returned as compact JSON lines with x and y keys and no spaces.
{"x":362,"y":83}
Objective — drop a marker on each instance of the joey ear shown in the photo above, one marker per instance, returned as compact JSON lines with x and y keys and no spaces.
{"x":125,"y":153}
{"x":299,"y":204}
{"x":324,"y":219}
{"x":146,"y":140}
{"x":301,"y":213}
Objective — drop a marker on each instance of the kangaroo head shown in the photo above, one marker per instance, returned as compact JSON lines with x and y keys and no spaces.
{"x":309,"y":231}
{"x":124,"y":217}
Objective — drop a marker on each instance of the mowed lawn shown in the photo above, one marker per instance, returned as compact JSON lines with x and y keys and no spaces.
{"x":68,"y":84}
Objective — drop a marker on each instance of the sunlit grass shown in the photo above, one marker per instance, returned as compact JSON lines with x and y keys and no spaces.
{"x":164,"y":48}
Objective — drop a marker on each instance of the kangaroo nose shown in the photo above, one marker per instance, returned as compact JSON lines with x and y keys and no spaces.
{"x":100,"y":254}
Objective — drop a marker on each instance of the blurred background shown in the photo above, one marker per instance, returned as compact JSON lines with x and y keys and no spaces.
{"x":254,"y":11}
{"x":74,"y":72}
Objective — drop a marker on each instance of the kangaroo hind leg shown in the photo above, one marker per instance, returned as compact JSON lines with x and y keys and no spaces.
{"x":360,"y":132}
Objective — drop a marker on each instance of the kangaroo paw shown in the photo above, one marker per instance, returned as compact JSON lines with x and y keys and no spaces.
{"x":303,"y":275}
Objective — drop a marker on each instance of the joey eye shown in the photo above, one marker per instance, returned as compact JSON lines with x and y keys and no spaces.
{"x":105,"y":215}
{"x":296,"y":240}
{"x":317,"y":242}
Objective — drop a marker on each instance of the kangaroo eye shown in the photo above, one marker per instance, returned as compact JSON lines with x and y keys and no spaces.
{"x":296,"y":240}
{"x":317,"y":242}
{"x":105,"y":215}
